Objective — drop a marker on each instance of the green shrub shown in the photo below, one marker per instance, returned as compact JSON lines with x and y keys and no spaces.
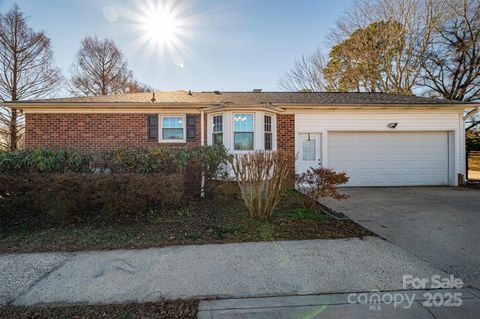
{"x":167,"y":160}
{"x":86,"y":198}
{"x":141,"y":195}
{"x":190,"y":161}
{"x":60,"y":184}
{"x":44,"y":161}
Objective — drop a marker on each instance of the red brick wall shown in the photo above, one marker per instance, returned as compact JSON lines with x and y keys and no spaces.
{"x":286,"y":137}
{"x":90,"y":132}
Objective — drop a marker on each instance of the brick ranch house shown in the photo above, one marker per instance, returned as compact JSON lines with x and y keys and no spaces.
{"x":378,"y":139}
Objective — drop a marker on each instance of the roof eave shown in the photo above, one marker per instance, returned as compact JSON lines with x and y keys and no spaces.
{"x":373,"y":105}
{"x":20,"y":105}
{"x":209,"y":106}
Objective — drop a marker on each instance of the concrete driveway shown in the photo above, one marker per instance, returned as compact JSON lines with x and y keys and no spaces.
{"x":438,"y":224}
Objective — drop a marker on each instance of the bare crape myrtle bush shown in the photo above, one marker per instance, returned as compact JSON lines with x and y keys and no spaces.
{"x":261,"y":176}
{"x":320,"y":182}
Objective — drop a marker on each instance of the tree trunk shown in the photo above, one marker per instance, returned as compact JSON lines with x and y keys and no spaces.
{"x":13,"y":131}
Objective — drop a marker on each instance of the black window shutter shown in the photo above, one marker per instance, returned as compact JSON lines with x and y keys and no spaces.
{"x":152,"y":126}
{"x":191,"y":127}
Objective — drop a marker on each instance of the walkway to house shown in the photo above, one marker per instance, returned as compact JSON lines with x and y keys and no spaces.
{"x":229,"y":270}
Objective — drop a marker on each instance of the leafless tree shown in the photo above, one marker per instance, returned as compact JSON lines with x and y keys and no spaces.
{"x":306,"y":74}
{"x":135,"y":86}
{"x":452,"y":64}
{"x":26,"y":73}
{"x":101,"y":69}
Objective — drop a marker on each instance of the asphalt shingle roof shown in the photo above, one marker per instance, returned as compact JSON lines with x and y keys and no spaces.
{"x":314,"y":98}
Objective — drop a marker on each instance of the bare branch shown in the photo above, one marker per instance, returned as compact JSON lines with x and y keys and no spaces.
{"x":306,"y":74}
{"x":26,"y":71}
{"x":100,"y":69}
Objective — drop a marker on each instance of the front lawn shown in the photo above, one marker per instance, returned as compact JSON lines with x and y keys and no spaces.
{"x":221,"y":219}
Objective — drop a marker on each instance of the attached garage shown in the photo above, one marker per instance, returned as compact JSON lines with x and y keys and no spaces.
{"x":390,"y":158}
{"x":383,"y":147}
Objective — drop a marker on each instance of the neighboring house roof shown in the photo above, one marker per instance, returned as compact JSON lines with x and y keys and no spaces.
{"x":251,"y":98}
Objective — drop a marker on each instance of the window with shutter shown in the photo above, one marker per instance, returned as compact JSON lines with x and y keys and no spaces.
{"x":268,"y":135}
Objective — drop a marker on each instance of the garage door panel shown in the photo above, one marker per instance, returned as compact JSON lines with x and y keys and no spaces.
{"x":390,"y":159}
{"x":393,"y":179}
{"x":373,"y":154}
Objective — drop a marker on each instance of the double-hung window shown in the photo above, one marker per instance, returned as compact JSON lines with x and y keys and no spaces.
{"x":173,"y":128}
{"x":217,"y":135}
{"x":268,"y":135}
{"x":243,"y":132}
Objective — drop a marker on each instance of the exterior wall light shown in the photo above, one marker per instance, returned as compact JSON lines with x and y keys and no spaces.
{"x":392,"y":125}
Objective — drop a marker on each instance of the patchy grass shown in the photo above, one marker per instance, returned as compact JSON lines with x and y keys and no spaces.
{"x":222,"y":219}
{"x":181,"y":309}
{"x":305,"y":214}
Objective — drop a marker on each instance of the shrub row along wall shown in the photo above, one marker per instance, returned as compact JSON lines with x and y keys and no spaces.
{"x":58,"y":186}
{"x":37,"y":199}
{"x":145,"y":160}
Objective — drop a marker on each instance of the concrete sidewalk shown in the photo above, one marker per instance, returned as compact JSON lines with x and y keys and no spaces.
{"x":377,"y":305}
{"x":228,"y":271}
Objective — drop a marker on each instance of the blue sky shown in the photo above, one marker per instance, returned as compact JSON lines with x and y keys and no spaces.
{"x":232,"y":45}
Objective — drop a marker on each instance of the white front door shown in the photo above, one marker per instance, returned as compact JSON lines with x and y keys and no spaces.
{"x":309,"y":151}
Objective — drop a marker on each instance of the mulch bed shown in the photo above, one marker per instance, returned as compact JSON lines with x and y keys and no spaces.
{"x":221,"y":219}
{"x":178,"y":309}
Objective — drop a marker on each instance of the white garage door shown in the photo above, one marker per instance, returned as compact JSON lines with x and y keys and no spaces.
{"x":390,"y":159}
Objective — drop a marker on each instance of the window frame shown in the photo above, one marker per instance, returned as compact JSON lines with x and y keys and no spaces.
{"x":253,"y":114}
{"x":265,"y":132}
{"x":160,"y":133}
{"x":217,"y":132}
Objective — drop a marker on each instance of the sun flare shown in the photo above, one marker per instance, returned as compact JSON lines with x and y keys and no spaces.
{"x":161,"y":27}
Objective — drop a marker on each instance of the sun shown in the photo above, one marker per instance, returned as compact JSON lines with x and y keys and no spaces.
{"x":161,"y":27}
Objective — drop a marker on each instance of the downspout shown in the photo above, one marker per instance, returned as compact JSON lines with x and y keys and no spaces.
{"x":202,"y":128}
{"x":202,"y":143}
